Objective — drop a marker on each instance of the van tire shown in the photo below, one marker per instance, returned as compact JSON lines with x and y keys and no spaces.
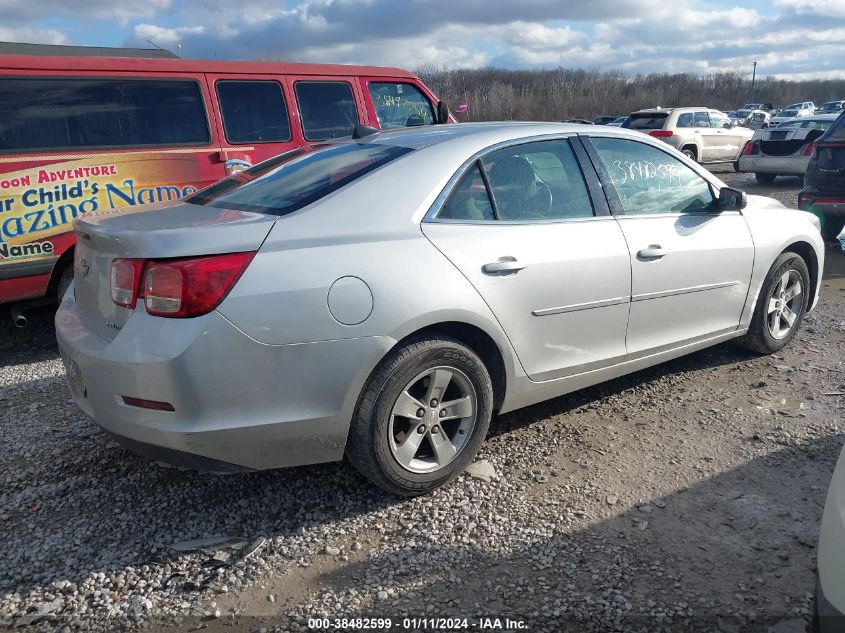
{"x":64,"y":281}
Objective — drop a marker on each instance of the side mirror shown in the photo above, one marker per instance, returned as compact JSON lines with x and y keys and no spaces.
{"x":732,"y":199}
{"x":442,"y":112}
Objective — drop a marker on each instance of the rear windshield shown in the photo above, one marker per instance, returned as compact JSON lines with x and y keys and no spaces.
{"x":646,"y":121}
{"x":789,"y":113}
{"x":294,"y":180}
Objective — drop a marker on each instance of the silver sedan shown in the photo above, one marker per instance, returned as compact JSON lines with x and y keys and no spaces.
{"x":382,"y":297}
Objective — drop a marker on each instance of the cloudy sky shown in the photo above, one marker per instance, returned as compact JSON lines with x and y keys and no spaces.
{"x":788,"y":38}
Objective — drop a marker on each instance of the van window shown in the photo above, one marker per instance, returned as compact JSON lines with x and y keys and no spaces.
{"x":39,"y":114}
{"x":327,"y":109}
{"x":400,"y":105}
{"x":253,"y":111}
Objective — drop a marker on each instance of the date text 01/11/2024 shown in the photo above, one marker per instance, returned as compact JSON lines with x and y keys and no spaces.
{"x":416,"y":624}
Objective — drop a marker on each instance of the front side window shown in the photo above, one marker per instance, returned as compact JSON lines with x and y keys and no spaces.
{"x":702,"y":120}
{"x":62,"y":113}
{"x":253,"y":111}
{"x":327,"y":109}
{"x":400,"y":105}
{"x":650,"y":181}
{"x":294,"y":180}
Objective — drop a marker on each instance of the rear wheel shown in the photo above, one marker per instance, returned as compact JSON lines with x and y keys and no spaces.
{"x":780,"y":306}
{"x":690,"y":153}
{"x":422,"y":416}
{"x":765,"y":178}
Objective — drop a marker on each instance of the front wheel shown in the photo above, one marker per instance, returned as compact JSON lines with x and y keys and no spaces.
{"x":781,"y":305}
{"x":422,"y":416}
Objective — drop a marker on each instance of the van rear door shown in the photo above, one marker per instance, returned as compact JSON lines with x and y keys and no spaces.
{"x":254,"y":120}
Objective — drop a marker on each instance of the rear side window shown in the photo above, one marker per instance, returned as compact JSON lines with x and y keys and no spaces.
{"x":400,"y":105}
{"x":837,"y":130}
{"x":296,"y":179}
{"x":646,"y":121}
{"x":41,"y":114}
{"x":686,"y":120}
{"x":253,"y":111}
{"x":327,"y":109}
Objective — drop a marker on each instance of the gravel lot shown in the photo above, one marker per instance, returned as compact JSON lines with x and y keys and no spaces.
{"x":684,"y":497}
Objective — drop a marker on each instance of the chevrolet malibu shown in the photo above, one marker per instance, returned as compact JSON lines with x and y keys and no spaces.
{"x":381,"y":297}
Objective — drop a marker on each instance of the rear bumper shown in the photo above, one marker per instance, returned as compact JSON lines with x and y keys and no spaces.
{"x":826,"y":617}
{"x":238,"y":404}
{"x":781,"y":165}
{"x":822,"y":203}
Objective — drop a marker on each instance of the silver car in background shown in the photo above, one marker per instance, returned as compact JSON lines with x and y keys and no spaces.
{"x":382,"y":297}
{"x":784,"y":150}
{"x":805,"y":108}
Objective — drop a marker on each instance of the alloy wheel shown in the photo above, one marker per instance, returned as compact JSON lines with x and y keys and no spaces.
{"x":785,"y":304}
{"x":432,"y":419}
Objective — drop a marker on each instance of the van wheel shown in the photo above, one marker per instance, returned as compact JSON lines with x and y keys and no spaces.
{"x":690,"y":153}
{"x":422,"y":416}
{"x":64,"y":281}
{"x":765,"y":178}
{"x":780,"y":306}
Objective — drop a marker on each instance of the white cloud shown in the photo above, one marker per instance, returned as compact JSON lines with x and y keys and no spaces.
{"x":830,"y":8}
{"x":32,"y":35}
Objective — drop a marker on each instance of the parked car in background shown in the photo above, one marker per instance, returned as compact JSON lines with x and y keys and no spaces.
{"x":831,"y":107}
{"x":824,"y":180}
{"x":83,"y":134}
{"x":829,"y":602}
{"x":784,"y":150}
{"x":757,"y":119}
{"x":805,"y":108}
{"x":258,"y":324}
{"x":605,"y":120}
{"x":617,"y":122}
{"x":702,"y":134}
{"x":766,"y":107}
{"x":579,"y":121}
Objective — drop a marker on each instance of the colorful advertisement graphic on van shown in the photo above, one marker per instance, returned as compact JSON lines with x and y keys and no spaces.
{"x":41,"y":202}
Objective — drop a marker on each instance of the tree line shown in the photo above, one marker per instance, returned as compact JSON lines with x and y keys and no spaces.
{"x":549,"y":95}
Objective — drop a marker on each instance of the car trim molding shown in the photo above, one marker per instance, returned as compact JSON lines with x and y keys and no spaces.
{"x":683,"y":291}
{"x":575,"y":307}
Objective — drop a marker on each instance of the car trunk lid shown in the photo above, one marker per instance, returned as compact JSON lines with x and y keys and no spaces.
{"x":786,"y":141}
{"x":151,"y":232}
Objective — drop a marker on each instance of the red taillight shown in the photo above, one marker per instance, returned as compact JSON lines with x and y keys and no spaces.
{"x":810,"y":148}
{"x":125,"y":281}
{"x":147,"y":404}
{"x":191,"y":287}
{"x":748,"y":149}
{"x":805,"y":201}
{"x":660,"y":133}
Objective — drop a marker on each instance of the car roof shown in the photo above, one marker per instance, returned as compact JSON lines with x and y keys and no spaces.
{"x":816,"y":117}
{"x":678,"y":109}
{"x":484,"y":134}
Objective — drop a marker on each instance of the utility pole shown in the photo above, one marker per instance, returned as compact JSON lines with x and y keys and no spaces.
{"x":753,"y":77}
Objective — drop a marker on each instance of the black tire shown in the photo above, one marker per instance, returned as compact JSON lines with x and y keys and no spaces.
{"x":690,"y":152}
{"x":765,"y":178}
{"x":64,"y":282}
{"x":832,"y":226}
{"x":736,"y":166}
{"x":368,"y":447}
{"x":758,"y":338}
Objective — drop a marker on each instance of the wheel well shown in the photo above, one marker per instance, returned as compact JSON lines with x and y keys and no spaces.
{"x":806,"y":252}
{"x":692,"y":147}
{"x":65,"y":260}
{"x":478,"y":341}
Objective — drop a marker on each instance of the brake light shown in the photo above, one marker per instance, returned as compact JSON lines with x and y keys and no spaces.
{"x":810,"y":148}
{"x":748,"y":148}
{"x":805,"y":200}
{"x":125,"y":281}
{"x":660,"y":133}
{"x":191,"y":287}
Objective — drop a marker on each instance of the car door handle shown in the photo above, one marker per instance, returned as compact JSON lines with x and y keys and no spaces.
{"x":503,"y":266}
{"x":654,"y":251}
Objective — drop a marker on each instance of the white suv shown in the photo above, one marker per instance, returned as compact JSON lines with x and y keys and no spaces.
{"x":703,"y":134}
{"x":805,"y":108}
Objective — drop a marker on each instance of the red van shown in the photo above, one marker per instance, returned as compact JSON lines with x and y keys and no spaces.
{"x":83,"y":134}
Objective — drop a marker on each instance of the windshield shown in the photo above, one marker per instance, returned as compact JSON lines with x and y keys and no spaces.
{"x":294,"y":180}
{"x":646,"y":121}
{"x":831,"y":106}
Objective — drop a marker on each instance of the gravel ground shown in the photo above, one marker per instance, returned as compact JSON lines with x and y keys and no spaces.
{"x":684,"y":497}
